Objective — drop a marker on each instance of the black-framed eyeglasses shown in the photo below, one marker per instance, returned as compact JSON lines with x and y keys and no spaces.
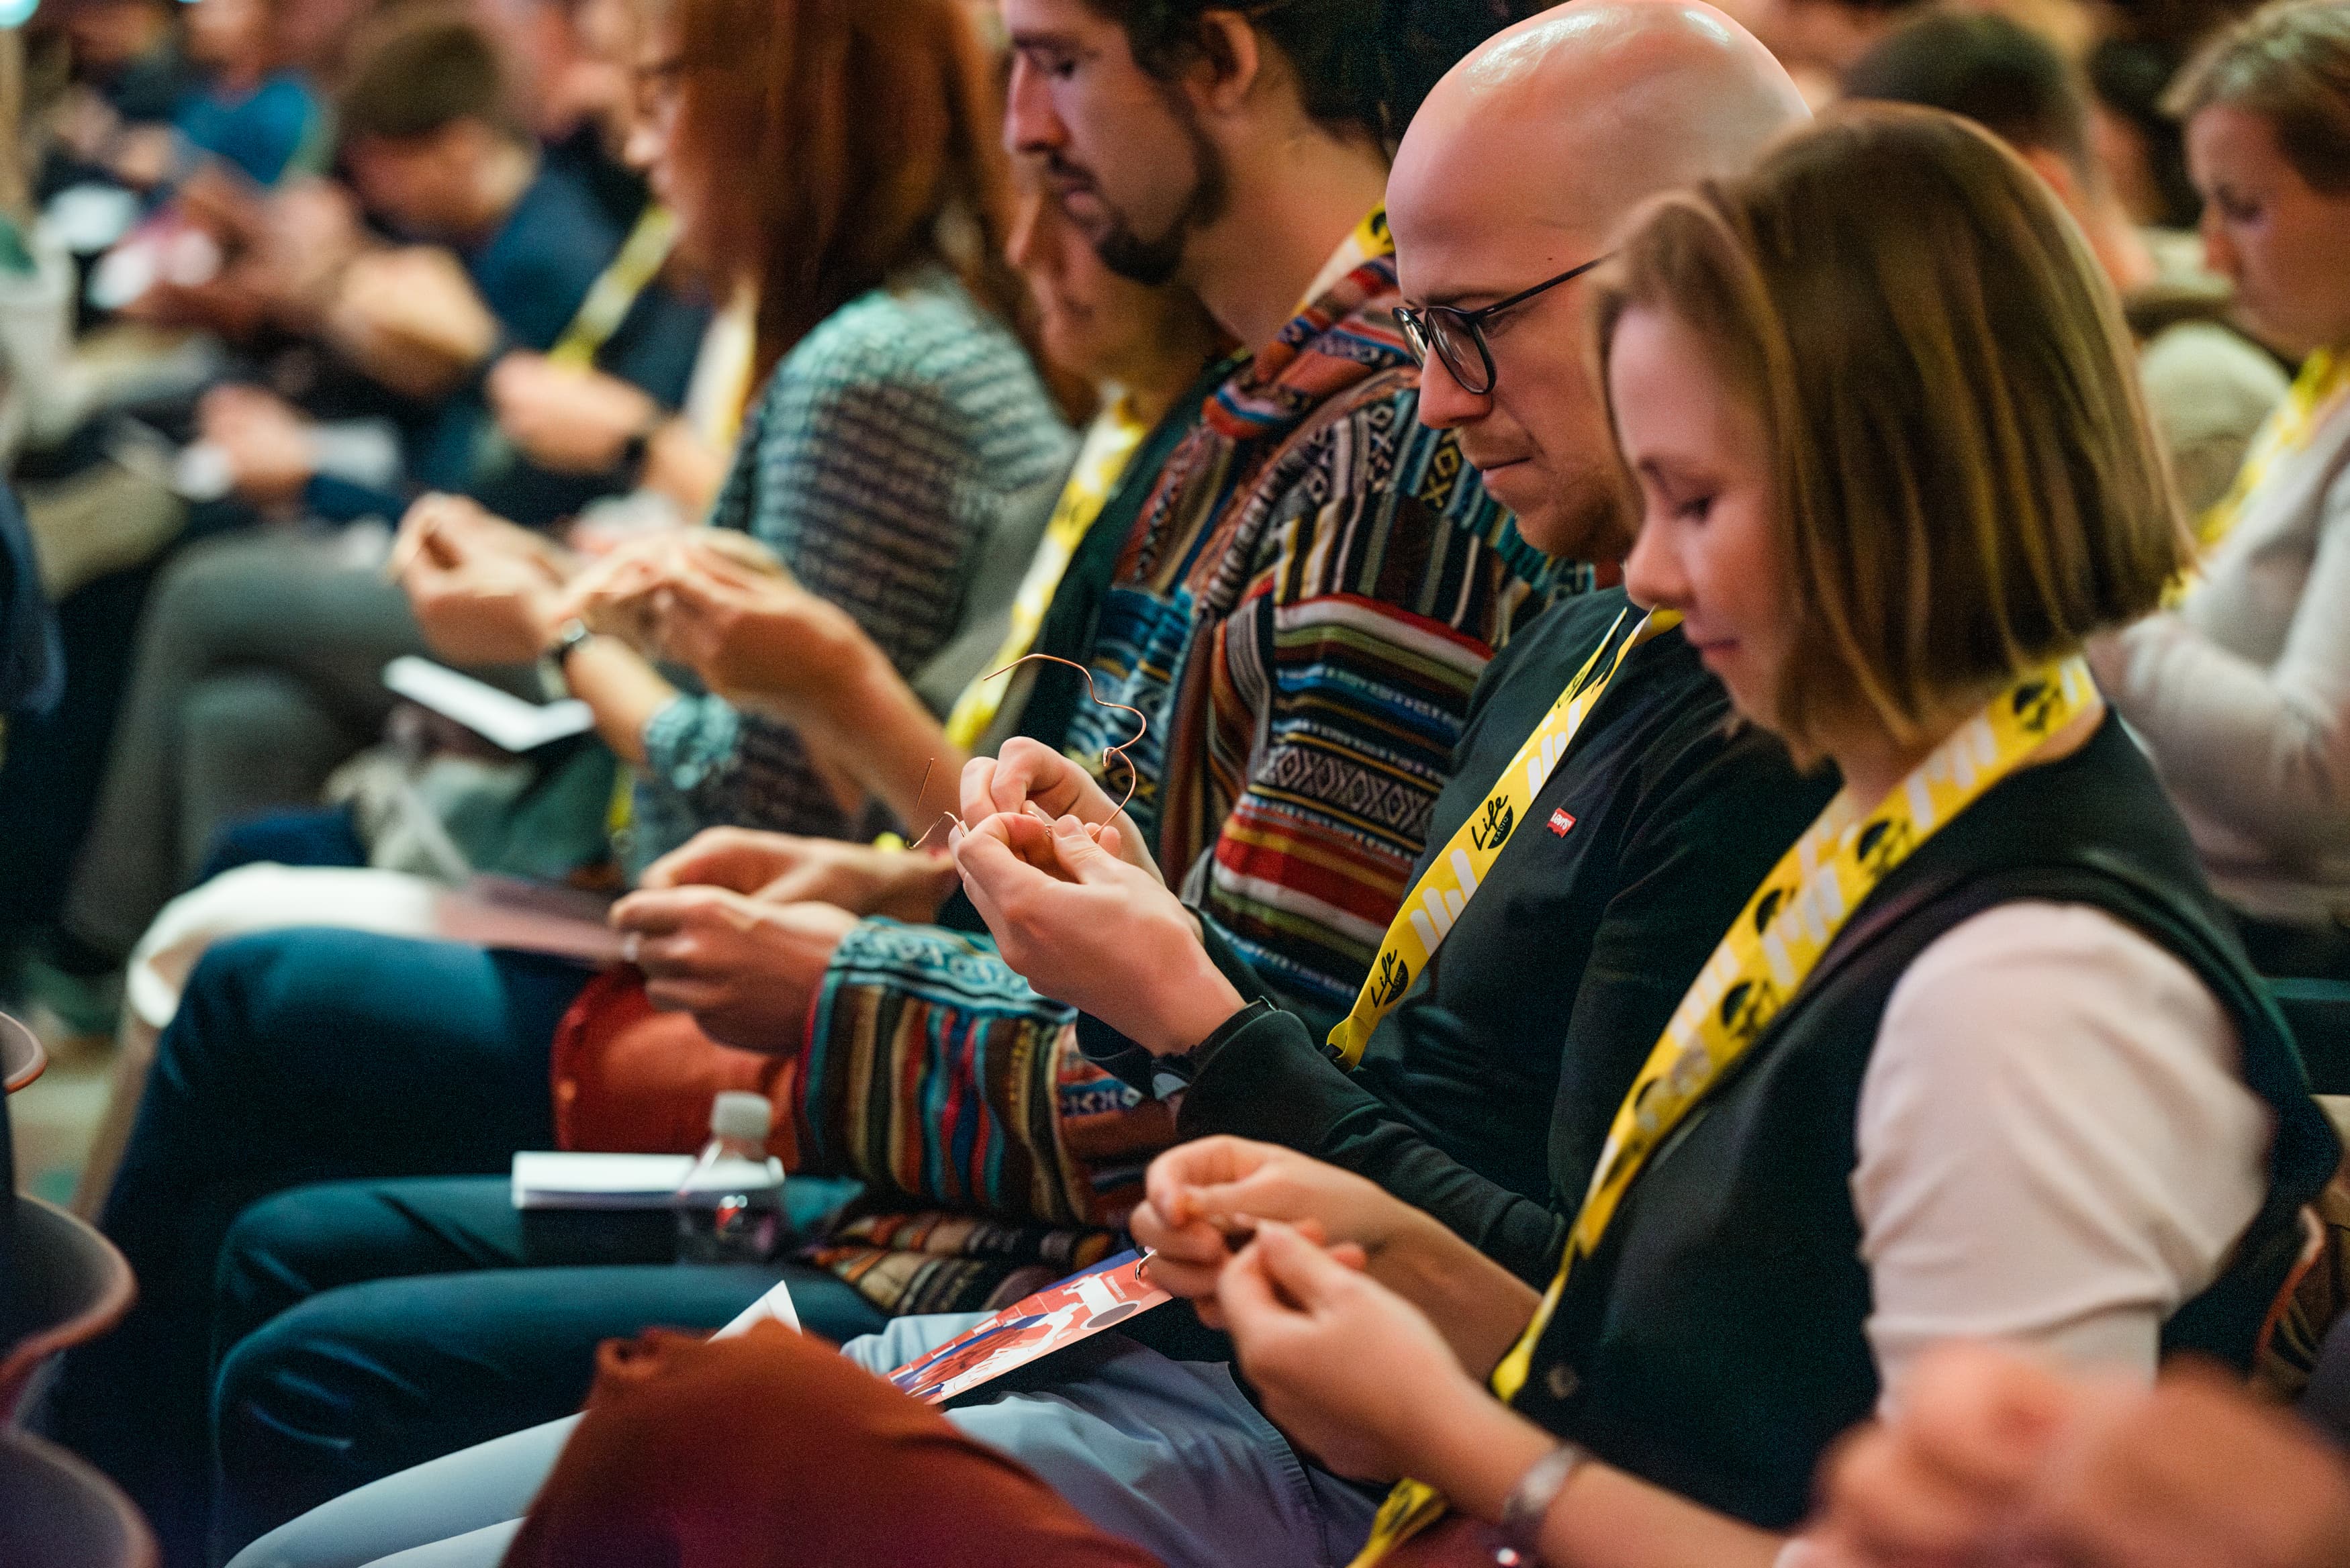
{"x":1458,"y":336}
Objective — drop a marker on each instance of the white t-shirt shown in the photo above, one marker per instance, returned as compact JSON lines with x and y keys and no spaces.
{"x":2055,"y":1147}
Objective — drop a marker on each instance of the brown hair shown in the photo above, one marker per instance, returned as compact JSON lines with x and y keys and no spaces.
{"x":418,"y":68}
{"x":837,"y":142}
{"x":1967,"y":482}
{"x":2290,"y":64}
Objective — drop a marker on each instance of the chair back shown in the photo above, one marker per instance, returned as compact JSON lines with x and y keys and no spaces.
{"x":2319,"y":1011}
{"x":22,"y":1059}
{"x":58,"y":1512}
{"x":66,"y":1285}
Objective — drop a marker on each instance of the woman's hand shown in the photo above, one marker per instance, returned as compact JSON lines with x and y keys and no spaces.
{"x":1205,"y":1197}
{"x":618,"y":594}
{"x":748,"y":970}
{"x":1026,"y":773}
{"x":1346,"y":1367}
{"x":755,"y":636}
{"x":481,"y":595}
{"x":569,"y":420}
{"x":1088,"y":928}
{"x":785,"y":868}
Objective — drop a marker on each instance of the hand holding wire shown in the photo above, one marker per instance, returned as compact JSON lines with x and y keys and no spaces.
{"x":1088,"y":928}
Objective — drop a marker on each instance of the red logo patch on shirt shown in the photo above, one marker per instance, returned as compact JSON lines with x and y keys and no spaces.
{"x":1560,"y":821}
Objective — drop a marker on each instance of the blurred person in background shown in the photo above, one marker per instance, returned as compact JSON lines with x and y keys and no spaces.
{"x":900,"y":424}
{"x":253,"y":113}
{"x":258,"y":661}
{"x":574,"y":62}
{"x":2242,"y":692}
{"x":2207,"y":388}
{"x":237,"y":100}
{"x":2137,"y":144}
{"x":1818,"y":40}
{"x":129,"y":69}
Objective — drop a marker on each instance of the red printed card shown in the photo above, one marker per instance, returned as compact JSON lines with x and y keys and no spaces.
{"x":1076,"y":1309}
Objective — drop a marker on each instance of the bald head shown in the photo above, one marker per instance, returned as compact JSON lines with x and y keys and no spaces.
{"x":1522,"y":163}
{"x":1575,"y":116}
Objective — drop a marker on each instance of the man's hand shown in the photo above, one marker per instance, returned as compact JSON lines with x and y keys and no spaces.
{"x":785,"y":868}
{"x":1346,"y":1367}
{"x":569,"y":420}
{"x":748,"y":970}
{"x":1205,"y":1197}
{"x":266,"y":440}
{"x":481,"y":595}
{"x":1086,"y":927}
{"x":1027,"y":773}
{"x":1990,"y":1459}
{"x":412,"y":319}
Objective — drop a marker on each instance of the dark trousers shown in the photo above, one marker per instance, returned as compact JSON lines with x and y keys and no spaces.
{"x":298,"y":1056}
{"x":366,"y":1327}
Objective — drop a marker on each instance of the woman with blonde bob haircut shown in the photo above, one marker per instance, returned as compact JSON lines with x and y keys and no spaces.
{"x":1979,"y":1058}
{"x":1967,"y":478}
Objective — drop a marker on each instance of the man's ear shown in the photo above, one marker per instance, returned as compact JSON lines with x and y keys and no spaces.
{"x":1232,"y":62}
{"x":2058,"y":173}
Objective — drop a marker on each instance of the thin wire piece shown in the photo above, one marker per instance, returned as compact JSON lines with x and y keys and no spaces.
{"x":928,"y":769}
{"x":1133,"y":774}
{"x":1142,"y":726}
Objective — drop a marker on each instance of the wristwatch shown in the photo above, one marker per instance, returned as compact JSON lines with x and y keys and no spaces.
{"x":568,"y":638}
{"x":1528,"y":1504}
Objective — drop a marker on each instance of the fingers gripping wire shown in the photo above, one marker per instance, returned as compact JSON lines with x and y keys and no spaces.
{"x":1117,"y":749}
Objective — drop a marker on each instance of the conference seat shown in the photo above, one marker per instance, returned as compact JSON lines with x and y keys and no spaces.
{"x":2319,"y":1011}
{"x":58,"y":1512}
{"x":65,"y":1285}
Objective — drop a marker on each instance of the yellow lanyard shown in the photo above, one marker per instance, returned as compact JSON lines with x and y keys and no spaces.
{"x":2324,"y":377}
{"x":614,"y":292}
{"x":720,"y":392}
{"x":1109,"y":446}
{"x":1760,"y":967}
{"x":1434,"y":903}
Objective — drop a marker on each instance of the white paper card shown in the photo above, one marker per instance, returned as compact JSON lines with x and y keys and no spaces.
{"x":776,"y":1304}
{"x":565,"y":1180}
{"x":505,"y":720}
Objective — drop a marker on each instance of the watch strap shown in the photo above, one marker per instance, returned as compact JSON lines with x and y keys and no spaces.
{"x":1529,"y":1502}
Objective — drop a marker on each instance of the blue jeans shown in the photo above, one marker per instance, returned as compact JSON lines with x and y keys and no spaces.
{"x":1169,"y":1454}
{"x":369,"y":1326}
{"x":297,"y":1056}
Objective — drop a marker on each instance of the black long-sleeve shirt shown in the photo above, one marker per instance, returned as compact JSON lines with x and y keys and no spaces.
{"x":1484,"y":1095}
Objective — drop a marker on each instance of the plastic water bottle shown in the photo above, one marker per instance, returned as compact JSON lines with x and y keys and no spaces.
{"x":730,"y":1206}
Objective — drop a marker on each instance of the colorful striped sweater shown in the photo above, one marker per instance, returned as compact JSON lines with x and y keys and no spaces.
{"x":1303,"y":609}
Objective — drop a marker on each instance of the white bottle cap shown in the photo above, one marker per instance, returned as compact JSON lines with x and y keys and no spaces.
{"x":746,"y":1117}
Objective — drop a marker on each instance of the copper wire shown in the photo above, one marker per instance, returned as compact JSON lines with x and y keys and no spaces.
{"x":1118,"y":750}
{"x":1142,"y":724}
{"x":928,"y":769}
